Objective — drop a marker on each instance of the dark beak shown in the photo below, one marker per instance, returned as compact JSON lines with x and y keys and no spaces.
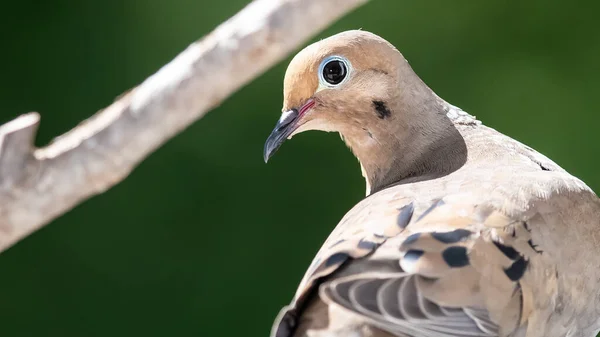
{"x":285,"y":126}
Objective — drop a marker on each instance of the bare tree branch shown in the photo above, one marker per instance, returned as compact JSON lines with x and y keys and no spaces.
{"x":38,"y":185}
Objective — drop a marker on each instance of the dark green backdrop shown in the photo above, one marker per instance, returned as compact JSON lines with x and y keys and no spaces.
{"x":204,"y":239}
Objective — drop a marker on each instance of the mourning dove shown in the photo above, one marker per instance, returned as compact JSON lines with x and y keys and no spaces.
{"x":464,"y":231}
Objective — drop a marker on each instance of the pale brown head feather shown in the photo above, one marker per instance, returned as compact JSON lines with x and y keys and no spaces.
{"x":394,"y":124}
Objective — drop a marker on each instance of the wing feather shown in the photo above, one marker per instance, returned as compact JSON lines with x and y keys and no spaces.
{"x":461,"y":266}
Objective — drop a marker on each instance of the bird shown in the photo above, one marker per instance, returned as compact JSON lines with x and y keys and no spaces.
{"x":463,"y":231}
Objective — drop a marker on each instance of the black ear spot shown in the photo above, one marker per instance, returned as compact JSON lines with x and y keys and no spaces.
{"x":381,"y":109}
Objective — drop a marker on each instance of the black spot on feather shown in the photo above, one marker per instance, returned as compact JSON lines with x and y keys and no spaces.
{"x":413,"y":255}
{"x":510,"y":252}
{"x":438,"y":203}
{"x":365,"y":244}
{"x":456,"y":257}
{"x":405,"y":215}
{"x":411,"y":238}
{"x":337,"y":243}
{"x":337,"y":258}
{"x":534,"y":247}
{"x":381,"y":109}
{"x":451,"y":237}
{"x":517,"y":269}
{"x":543,"y":167}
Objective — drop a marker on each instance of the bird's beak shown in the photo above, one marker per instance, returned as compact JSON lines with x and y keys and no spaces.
{"x":285,"y":127}
{"x":287,"y":123}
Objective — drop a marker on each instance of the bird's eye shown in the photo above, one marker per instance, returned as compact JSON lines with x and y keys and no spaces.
{"x":333,"y":71}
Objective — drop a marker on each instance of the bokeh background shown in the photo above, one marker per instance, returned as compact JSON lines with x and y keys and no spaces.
{"x":204,"y":239}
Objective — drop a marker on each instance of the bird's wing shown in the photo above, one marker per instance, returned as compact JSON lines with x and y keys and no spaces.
{"x":445,"y":267}
{"x":454,"y":271}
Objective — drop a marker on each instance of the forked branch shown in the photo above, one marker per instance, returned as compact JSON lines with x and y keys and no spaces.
{"x":39,"y":184}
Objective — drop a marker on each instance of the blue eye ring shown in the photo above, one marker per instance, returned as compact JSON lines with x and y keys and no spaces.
{"x":336,"y":66}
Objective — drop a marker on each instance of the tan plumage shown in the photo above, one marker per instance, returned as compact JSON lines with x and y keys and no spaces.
{"x":464,"y":232}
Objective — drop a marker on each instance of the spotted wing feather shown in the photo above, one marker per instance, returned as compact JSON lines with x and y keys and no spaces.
{"x":459,"y":272}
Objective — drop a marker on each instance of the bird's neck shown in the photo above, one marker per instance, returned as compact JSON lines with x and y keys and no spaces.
{"x":403,"y":150}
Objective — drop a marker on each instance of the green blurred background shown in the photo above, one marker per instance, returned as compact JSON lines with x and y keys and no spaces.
{"x":204,"y":239}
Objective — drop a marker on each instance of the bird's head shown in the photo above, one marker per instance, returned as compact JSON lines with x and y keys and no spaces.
{"x":358,"y":84}
{"x":344,"y":83}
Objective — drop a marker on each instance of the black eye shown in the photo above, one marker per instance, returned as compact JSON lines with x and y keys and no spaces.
{"x":334,"y":72}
